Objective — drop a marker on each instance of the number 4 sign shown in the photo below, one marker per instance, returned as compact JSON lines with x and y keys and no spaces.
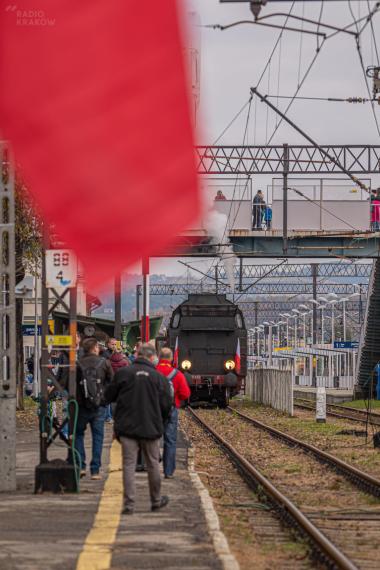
{"x":61,"y":268}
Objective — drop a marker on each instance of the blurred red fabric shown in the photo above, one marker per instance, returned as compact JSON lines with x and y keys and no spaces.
{"x":94,"y":100}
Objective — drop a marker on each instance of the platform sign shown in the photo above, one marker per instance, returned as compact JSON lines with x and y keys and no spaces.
{"x":346,"y":344}
{"x":61,"y":269}
{"x":29,"y":329}
{"x":58,"y":340}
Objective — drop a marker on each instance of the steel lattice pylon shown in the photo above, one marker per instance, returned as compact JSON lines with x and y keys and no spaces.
{"x":299,"y":270}
{"x":278,"y":288}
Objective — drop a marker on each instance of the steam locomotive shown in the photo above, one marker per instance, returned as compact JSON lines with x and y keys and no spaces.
{"x":208,"y":337}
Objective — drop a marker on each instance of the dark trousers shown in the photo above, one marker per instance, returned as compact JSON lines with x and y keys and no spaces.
{"x":256,"y":217}
{"x":170,"y":443}
{"x":96,"y":419}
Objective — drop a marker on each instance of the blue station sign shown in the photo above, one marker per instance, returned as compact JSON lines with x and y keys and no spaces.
{"x":346,"y":344}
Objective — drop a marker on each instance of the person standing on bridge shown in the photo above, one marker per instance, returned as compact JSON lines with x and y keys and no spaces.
{"x":257,"y":210}
{"x":181,"y":393}
{"x":143,"y":402}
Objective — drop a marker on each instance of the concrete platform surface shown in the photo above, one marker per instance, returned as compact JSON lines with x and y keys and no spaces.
{"x":54,"y":532}
{"x":333,"y":395}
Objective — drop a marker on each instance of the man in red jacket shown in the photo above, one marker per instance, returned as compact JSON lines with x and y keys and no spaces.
{"x":181,"y":392}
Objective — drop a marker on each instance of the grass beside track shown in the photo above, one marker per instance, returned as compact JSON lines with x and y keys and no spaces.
{"x":362,"y":404}
{"x":357,"y":451}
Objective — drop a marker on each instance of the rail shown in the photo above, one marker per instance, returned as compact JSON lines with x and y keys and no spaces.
{"x":356,"y":476}
{"x":321,"y":545}
{"x":343,"y":412}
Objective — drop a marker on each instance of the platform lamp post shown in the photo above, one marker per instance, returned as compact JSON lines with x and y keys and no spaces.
{"x":275,"y":334}
{"x":317,"y":304}
{"x":333,"y":300}
{"x":296,"y":315}
{"x":305,"y":308}
{"x":343,"y":301}
{"x":261,"y":329}
{"x":287,"y":317}
{"x":269,"y":341}
{"x":326,"y":302}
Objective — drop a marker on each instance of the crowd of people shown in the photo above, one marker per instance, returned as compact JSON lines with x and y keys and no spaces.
{"x":141,"y":393}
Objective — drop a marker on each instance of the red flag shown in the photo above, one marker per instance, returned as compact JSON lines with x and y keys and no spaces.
{"x":94,"y":100}
{"x":237,"y":358}
{"x":175,"y":355}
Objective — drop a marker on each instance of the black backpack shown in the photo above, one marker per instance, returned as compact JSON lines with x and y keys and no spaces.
{"x":92,"y":385}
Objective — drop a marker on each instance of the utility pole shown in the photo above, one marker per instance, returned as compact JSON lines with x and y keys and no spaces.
{"x":117,"y":330}
{"x":8,"y":327}
{"x":241,"y":274}
{"x":59,"y":276}
{"x":44,"y":350}
{"x":138,"y":295}
{"x":285,"y":161}
{"x":314,"y":273}
{"x":145,"y":327}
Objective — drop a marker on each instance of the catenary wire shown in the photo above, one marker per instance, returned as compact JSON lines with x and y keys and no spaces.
{"x":363,"y":67}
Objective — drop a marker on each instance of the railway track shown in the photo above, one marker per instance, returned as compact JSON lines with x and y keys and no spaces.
{"x":343,"y":412}
{"x":323,"y":530}
{"x":359,"y":478}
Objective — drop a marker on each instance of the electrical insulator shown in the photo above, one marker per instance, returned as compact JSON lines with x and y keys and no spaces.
{"x":374,"y":73}
{"x":256,"y":5}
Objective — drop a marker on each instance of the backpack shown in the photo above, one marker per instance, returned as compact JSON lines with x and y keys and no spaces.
{"x":92,"y":385}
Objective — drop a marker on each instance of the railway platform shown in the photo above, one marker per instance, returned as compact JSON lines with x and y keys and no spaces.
{"x":86,"y":531}
{"x":333,"y":396}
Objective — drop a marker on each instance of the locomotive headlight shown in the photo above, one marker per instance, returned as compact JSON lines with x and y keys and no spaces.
{"x":229,"y":364}
{"x":186,"y":365}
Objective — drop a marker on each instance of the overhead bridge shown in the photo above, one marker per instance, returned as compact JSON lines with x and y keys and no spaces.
{"x":269,"y":244}
{"x":309,"y":220}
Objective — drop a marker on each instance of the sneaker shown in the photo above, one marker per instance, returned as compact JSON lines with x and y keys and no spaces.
{"x":169,"y":476}
{"x":96,"y":476}
{"x":82,"y":473}
{"x":127,"y":511}
{"x":163,"y":502}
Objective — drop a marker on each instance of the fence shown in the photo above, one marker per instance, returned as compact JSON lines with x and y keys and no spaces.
{"x":337,"y":382}
{"x":271,"y":387}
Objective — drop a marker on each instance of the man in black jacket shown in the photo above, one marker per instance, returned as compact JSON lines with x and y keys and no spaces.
{"x":143,"y":399}
{"x":91,"y":404}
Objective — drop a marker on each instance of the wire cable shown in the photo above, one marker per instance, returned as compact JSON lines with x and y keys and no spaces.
{"x":364,"y":71}
{"x":373,"y":34}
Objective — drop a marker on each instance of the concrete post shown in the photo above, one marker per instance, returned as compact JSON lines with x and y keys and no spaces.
{"x":8,"y":325}
{"x":270,"y":346}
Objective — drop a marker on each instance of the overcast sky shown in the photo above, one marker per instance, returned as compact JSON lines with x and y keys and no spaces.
{"x":233,"y":60}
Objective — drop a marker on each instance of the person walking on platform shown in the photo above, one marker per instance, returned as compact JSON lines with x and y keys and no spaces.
{"x":119,"y":360}
{"x":109,"y":353}
{"x":94,"y":373}
{"x":181,"y":393}
{"x":143,"y":402}
{"x":111,"y":348}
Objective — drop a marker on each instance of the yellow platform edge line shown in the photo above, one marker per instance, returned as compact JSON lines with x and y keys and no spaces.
{"x":97,"y":548}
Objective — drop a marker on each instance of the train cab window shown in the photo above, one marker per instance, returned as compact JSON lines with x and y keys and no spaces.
{"x":238,"y":321}
{"x":176,"y":320}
